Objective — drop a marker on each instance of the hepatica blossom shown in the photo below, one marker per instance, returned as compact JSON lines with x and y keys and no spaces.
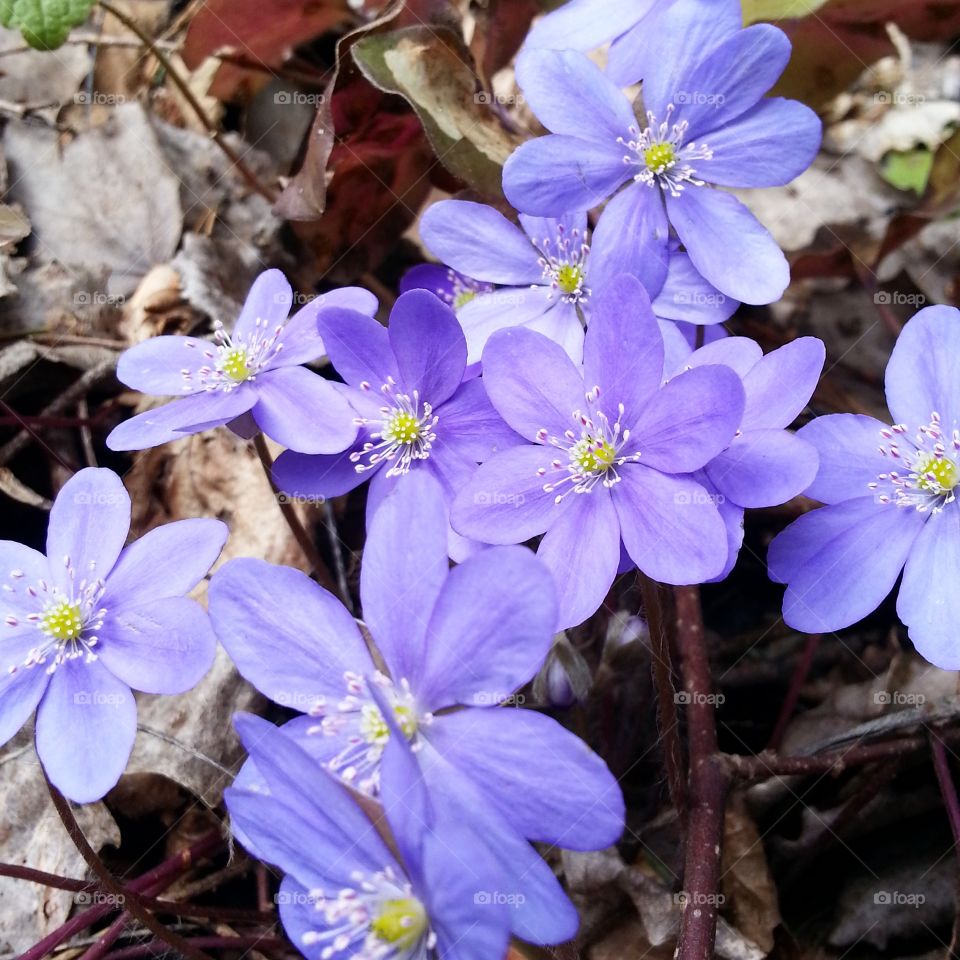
{"x":765,"y":463}
{"x":406,"y":394}
{"x":547,"y":270}
{"x":345,"y":894}
{"x":891,"y":503}
{"x":455,"y":289}
{"x":252,"y":372}
{"x":707,"y":125}
{"x":464,"y":638}
{"x":606,"y":451}
{"x":90,"y":620}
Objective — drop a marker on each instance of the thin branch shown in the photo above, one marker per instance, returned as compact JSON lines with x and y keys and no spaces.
{"x":153,"y":880}
{"x":17,"y":872}
{"x":66,"y":399}
{"x":799,"y":678}
{"x":948,"y":788}
{"x":245,"y":943}
{"x":107,"y":939}
{"x":127,"y":899}
{"x":188,"y":95}
{"x":336,"y":547}
{"x":708,"y":787}
{"x":318,"y":567}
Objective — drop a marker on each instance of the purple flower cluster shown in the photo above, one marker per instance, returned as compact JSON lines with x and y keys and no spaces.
{"x":543,"y":408}
{"x":345,"y":893}
{"x":465,"y":639}
{"x":706,"y":126}
{"x":546,"y":271}
{"x":607,"y":455}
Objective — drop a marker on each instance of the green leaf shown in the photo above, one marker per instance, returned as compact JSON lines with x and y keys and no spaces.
{"x":45,"y":24}
{"x":908,"y":169}
{"x":430,"y":69}
{"x":754,"y":10}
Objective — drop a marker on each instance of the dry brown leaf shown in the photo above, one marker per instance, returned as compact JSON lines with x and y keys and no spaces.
{"x":31,"y":834}
{"x":748,"y":887}
{"x":107,"y":198}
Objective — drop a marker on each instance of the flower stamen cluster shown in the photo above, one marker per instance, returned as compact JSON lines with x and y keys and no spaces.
{"x":593,"y":448}
{"x":232,"y":360}
{"x":358,"y":721}
{"x":379,"y":917}
{"x":661,"y":155}
{"x":406,"y":432}
{"x":67,"y":623}
{"x":564,"y":263}
{"x":929,"y":477}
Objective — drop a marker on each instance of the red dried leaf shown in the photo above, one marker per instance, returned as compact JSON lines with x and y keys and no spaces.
{"x":257,"y":32}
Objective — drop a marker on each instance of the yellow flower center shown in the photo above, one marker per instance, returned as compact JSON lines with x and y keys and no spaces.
{"x":63,"y":622}
{"x":374,"y":728}
{"x":659,"y":156}
{"x":236,"y":364}
{"x":402,"y":427}
{"x":401,"y":922}
{"x":937,"y":474}
{"x":592,"y":456}
{"x":569,"y":278}
{"x":463,"y":298}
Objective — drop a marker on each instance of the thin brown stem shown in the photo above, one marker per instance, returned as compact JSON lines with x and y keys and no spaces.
{"x":245,"y":943}
{"x":655,"y":601}
{"x":107,"y":939}
{"x":125,"y":897}
{"x":188,"y":95}
{"x":17,"y":872}
{"x":708,"y":785}
{"x":317,"y":567}
{"x":948,"y":789}
{"x":799,"y":678}
{"x":765,"y":765}
{"x":153,"y":880}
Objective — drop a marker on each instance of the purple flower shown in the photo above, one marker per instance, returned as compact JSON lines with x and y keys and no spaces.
{"x":765,"y":464}
{"x":586,"y":24}
{"x":405,"y":387}
{"x":606,"y":450}
{"x":891,"y":503}
{"x":455,"y":289}
{"x":90,"y":620}
{"x":465,"y":638}
{"x":254,"y":372}
{"x":707,"y":125}
{"x":345,"y":894}
{"x":547,"y":271}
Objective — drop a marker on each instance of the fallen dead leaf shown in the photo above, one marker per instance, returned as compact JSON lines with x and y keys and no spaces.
{"x":108,"y":197}
{"x":748,"y":887}
{"x":31,"y":834}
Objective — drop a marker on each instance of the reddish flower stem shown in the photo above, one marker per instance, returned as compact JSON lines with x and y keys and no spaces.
{"x":948,"y":788}
{"x":303,"y":538}
{"x":155,"y":879}
{"x":797,"y":681}
{"x":764,"y":765}
{"x":708,"y":784}
{"x":245,"y":943}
